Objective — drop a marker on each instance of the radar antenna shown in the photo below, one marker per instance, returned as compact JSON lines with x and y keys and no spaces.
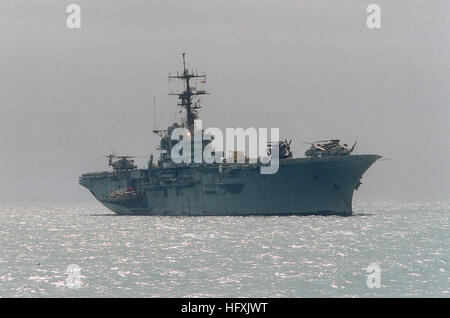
{"x":185,"y":97}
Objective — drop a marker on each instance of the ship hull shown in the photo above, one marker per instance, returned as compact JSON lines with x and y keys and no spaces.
{"x":302,"y":186}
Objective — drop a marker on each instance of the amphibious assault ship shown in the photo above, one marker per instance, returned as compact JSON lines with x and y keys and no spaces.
{"x":322,"y":182}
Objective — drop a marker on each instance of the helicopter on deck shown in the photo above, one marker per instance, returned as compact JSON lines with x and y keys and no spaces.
{"x":284,"y":148}
{"x":124,"y":162}
{"x":330,"y":147}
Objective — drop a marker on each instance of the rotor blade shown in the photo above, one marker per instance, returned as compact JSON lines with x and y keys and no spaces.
{"x":318,"y":147}
{"x":326,"y":140}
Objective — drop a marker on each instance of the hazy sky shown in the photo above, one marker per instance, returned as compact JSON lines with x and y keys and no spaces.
{"x":311,"y":68}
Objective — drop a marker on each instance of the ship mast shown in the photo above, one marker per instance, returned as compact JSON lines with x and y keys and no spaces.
{"x":185,"y":97}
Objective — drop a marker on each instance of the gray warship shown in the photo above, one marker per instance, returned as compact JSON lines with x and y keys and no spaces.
{"x":322,"y":182}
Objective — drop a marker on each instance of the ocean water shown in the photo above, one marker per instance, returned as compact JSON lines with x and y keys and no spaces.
{"x":82,"y":250}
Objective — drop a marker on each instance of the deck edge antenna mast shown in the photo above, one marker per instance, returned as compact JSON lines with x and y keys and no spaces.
{"x":185,"y":97}
{"x":155,"y":128}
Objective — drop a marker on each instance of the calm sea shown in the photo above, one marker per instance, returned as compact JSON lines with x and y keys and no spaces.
{"x":82,"y":250}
